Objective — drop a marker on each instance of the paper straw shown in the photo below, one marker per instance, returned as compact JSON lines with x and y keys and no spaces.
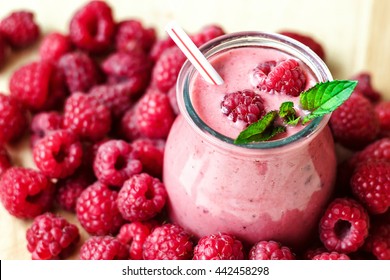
{"x":193,"y":54}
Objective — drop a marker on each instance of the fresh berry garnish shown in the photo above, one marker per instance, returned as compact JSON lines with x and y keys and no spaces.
{"x":25,"y":193}
{"x":103,"y":248}
{"x":5,"y":160}
{"x":134,"y":235}
{"x":43,"y":124}
{"x":151,"y":154}
{"x":168,"y":242}
{"x":220,"y":246}
{"x":270,"y":250}
{"x":53,"y":46}
{"x":206,"y":34}
{"x":245,"y":105}
{"x":160,"y":47}
{"x":141,"y":198}
{"x":344,"y":226}
{"x":69,"y":190}
{"x":365,"y":88}
{"x":382,"y":109}
{"x":308,"y":41}
{"x":331,"y":256}
{"x":378,"y":241}
{"x":51,"y":237}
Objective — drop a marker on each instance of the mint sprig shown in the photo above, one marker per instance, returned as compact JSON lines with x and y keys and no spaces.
{"x":288,"y":113}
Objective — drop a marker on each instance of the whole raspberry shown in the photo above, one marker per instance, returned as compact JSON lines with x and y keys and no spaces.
{"x":378,"y":241}
{"x":25,"y":193}
{"x":173,"y":100}
{"x":131,"y":36}
{"x":286,"y":77}
{"x":43,"y":124}
{"x":13,"y":119}
{"x":103,"y":248}
{"x":311,"y":252}
{"x":331,"y":256}
{"x":69,"y":190}
{"x":376,"y":151}
{"x":51,"y":237}
{"x":168,"y":242}
{"x":87,"y":117}
{"x":382,"y":109}
{"x":160,"y":47}
{"x":141,"y":198}
{"x":19,"y":29}
{"x":4,"y":49}
{"x":30,"y":84}
{"x":270,"y":250}
{"x":115,"y":162}
{"x":306,"y":40}
{"x":97,"y":210}
{"x":244,"y":105}
{"x":206,"y":34}
{"x":57,"y":92}
{"x":5,"y":161}
{"x":365,"y":88}
{"x":344,"y":226}
{"x":92,"y":27}
{"x":354,"y":124}
{"x":151,"y":154}
{"x":129,"y":126}
{"x":220,"y":246}
{"x":53,"y":46}
{"x":134,"y":235}
{"x":370,"y":183}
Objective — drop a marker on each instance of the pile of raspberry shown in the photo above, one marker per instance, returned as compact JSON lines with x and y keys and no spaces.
{"x":98,"y":105}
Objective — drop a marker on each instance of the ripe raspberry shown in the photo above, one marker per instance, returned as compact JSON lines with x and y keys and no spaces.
{"x":365,"y":88}
{"x":19,"y":29}
{"x":57,"y":92}
{"x":92,"y":27}
{"x":51,"y":237}
{"x":131,"y":36}
{"x":13,"y":119}
{"x":331,"y":256}
{"x":129,"y":127}
{"x":306,"y":40}
{"x":354,"y":124}
{"x":220,"y":246}
{"x":270,"y":250}
{"x":370,"y":183}
{"x":244,"y":105}
{"x":160,"y":47}
{"x":25,"y":193}
{"x":53,"y":46}
{"x":167,"y":68}
{"x":103,"y":248}
{"x":88,"y":118}
{"x":376,"y":151}
{"x":378,"y":241}
{"x":151,"y":154}
{"x":3,"y":51}
{"x":173,"y":100}
{"x":344,"y":226}
{"x":206,"y":34}
{"x":134,"y":235}
{"x":115,"y":162}
{"x":5,"y":161}
{"x":69,"y":190}
{"x":286,"y":77}
{"x":382,"y":109}
{"x":168,"y":242}
{"x":141,"y":198}
{"x":43,"y":124}
{"x":97,"y":210}
{"x":311,"y":252}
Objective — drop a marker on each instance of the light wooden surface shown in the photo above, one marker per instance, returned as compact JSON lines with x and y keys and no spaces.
{"x":354,"y":33}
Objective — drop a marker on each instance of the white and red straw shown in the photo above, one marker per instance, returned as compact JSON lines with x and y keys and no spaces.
{"x":193,"y":54}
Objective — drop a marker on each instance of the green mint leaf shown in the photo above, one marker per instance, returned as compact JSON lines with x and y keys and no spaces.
{"x":288,"y":113}
{"x":325,"y":97}
{"x":294,"y":121}
{"x":267,"y":134}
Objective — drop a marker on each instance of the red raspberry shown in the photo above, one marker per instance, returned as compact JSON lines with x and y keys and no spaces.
{"x":286,"y":77}
{"x":53,"y":46}
{"x":3,"y":51}
{"x":168,"y":242}
{"x":13,"y":119}
{"x":141,"y":198}
{"x":134,"y":235}
{"x":344,"y":226}
{"x":92,"y":27}
{"x":5,"y":160}
{"x":167,"y":69}
{"x":331,"y":256}
{"x":51,"y":237}
{"x":382,"y":109}
{"x":160,"y":47}
{"x":206,"y":34}
{"x":270,"y":250}
{"x":378,"y":241}
{"x":103,"y":248}
{"x":131,"y":36}
{"x":129,"y":128}
{"x":25,"y":193}
{"x":43,"y":124}
{"x":57,"y":92}
{"x":354,"y":124}
{"x":69,"y":190}
{"x":220,"y":246}
{"x":97,"y":210}
{"x":311,"y":252}
{"x":306,"y":40}
{"x":115,"y":162}
{"x":151,"y":154}
{"x":244,"y":105}
{"x":376,"y":151}
{"x":173,"y":100}
{"x":365,"y":88}
{"x":19,"y":29}
{"x":87,"y":117}
{"x":370,"y":183}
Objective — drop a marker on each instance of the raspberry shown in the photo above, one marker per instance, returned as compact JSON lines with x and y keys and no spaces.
{"x":244,"y":105}
{"x":53,"y":46}
{"x":306,"y":40}
{"x":19,"y":29}
{"x":81,"y":73}
{"x":115,"y":162}
{"x":69,"y":190}
{"x":13,"y":119}
{"x":25,"y":193}
{"x":311,"y":252}
{"x":331,"y":256}
{"x":131,"y":36}
{"x":168,"y":242}
{"x":378,"y":241}
{"x":97,"y":210}
{"x":173,"y":100}
{"x":370,"y":183}
{"x":58,"y":91}
{"x":43,"y":124}
{"x":220,"y":246}
{"x":167,"y":68}
{"x":270,"y":250}
{"x":151,"y":154}
{"x":5,"y":161}
{"x":103,"y":248}
{"x":354,"y":124}
{"x":160,"y":47}
{"x":51,"y":237}
{"x":344,"y":226}
{"x":376,"y":151}
{"x":286,"y":77}
{"x":30,"y":84}
{"x":84,"y":115}
{"x":129,"y":128}
{"x":365,"y":87}
{"x":134,"y":234}
{"x":382,"y":109}
{"x":92,"y":27}
{"x":142,"y":197}
{"x":3,"y":51}
{"x":206,"y":34}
